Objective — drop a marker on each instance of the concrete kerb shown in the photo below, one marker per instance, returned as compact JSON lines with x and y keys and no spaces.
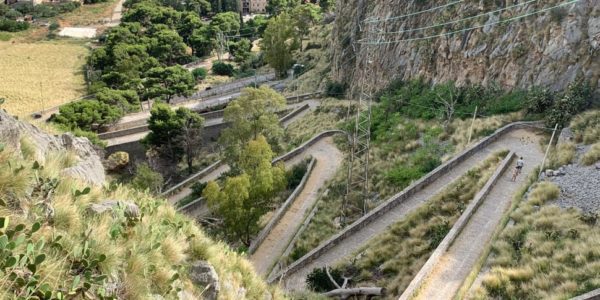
{"x":592,"y":295}
{"x":192,"y":178}
{"x":190,"y":206}
{"x":398,"y":198}
{"x":282,"y":210}
{"x":437,"y":254}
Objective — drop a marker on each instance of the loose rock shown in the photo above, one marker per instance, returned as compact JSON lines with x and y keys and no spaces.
{"x":203,"y":274}
{"x":131,"y":209}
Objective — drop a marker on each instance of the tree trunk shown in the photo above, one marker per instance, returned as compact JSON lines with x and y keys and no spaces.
{"x":345,"y":293}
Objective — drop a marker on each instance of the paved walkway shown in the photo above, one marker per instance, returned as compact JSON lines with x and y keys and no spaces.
{"x":521,"y":141}
{"x":329,"y":159}
{"x":455,"y":265}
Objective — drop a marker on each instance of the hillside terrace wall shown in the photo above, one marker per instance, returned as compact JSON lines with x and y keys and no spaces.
{"x":282,"y":210}
{"x":441,"y":249}
{"x":397,"y":199}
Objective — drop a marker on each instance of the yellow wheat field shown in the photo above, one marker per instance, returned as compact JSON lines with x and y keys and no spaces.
{"x":40,"y":75}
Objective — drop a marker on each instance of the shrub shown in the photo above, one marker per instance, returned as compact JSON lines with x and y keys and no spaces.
{"x":335,"y":89}
{"x":53,"y":26}
{"x":147,"y":179}
{"x":592,"y":156}
{"x":199,"y":73}
{"x":87,"y":115}
{"x":577,"y":98}
{"x":318,"y":281}
{"x":12,"y":25}
{"x":221,"y":68}
{"x":539,"y":100}
{"x":197,"y":189}
{"x":294,"y":176}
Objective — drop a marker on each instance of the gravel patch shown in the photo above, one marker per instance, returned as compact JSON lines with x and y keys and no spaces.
{"x":579,"y":187}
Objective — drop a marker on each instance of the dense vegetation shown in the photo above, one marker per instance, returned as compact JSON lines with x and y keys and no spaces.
{"x":546,"y":253}
{"x":10,"y":14}
{"x":52,"y":246}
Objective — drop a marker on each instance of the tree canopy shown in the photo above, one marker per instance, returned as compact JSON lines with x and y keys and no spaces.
{"x":279,"y":41}
{"x":251,"y":115}
{"x":241,"y":200}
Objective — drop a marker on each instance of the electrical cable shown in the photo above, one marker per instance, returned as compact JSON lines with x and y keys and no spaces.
{"x":470,"y":28}
{"x":456,"y":21}
{"x":412,"y":14}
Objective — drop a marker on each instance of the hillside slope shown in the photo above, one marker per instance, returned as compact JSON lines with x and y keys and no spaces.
{"x":547,"y":49}
{"x":64,"y":232}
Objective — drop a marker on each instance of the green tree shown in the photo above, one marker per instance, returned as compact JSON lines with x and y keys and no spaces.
{"x":279,"y":42}
{"x":126,"y":100}
{"x":201,"y":41}
{"x":227,"y":22}
{"x":189,"y":22}
{"x":275,"y":7}
{"x":251,"y":115}
{"x":166,"y":45}
{"x":240,"y":50}
{"x":305,"y":16}
{"x":244,"y":198}
{"x":169,"y":81}
{"x":190,"y":138}
{"x":88,"y":115}
{"x":165,"y":129}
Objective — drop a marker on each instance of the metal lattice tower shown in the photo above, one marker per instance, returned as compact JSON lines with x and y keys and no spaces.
{"x":357,"y":186}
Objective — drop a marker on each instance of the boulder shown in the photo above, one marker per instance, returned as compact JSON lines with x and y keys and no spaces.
{"x":117,"y":161}
{"x":131,"y":209}
{"x":203,"y":274}
{"x":549,"y":173}
{"x":598,"y":166}
{"x":89,"y":165}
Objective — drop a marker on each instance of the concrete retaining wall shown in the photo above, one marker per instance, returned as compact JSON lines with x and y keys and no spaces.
{"x":282,"y":210}
{"x":300,"y":98}
{"x":593,"y":295}
{"x":192,"y":179}
{"x":435,"y":257}
{"x":399,"y":198}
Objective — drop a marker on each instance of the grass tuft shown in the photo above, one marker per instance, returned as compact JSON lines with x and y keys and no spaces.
{"x":592,"y":155}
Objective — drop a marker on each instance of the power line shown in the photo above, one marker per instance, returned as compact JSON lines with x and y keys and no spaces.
{"x":460,"y":20}
{"x":413,"y":14}
{"x":470,"y":28}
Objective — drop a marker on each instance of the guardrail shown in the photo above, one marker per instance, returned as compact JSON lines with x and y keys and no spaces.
{"x":227,"y":87}
{"x":396,"y":199}
{"x":282,"y":210}
{"x":445,"y":244}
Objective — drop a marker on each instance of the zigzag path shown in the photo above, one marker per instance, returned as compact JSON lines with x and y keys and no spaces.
{"x":522,"y":141}
{"x":455,"y":265}
{"x":328,"y":160}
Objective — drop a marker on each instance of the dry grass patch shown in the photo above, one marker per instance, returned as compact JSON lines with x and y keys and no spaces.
{"x":88,"y":14}
{"x":139,"y":256}
{"x":592,"y":155}
{"x":586,"y":127}
{"x":57,"y":66}
{"x":548,"y":253}
{"x":561,"y":155}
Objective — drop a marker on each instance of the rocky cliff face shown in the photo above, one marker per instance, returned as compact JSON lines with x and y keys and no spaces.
{"x":548,"y":49}
{"x":89,"y":165}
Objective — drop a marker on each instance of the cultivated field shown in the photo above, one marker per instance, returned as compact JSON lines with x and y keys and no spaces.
{"x":40,"y":75}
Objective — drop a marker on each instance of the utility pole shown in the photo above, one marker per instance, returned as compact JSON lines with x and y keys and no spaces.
{"x":357,"y":186}
{"x":471,"y":129}
{"x":547,"y":150}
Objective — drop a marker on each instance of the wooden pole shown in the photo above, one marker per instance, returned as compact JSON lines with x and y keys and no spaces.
{"x":471,"y":128}
{"x":547,"y":150}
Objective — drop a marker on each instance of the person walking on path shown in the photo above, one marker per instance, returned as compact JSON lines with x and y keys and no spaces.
{"x":518,"y":168}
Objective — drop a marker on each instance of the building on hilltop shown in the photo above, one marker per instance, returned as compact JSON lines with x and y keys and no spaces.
{"x":254,"y":6}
